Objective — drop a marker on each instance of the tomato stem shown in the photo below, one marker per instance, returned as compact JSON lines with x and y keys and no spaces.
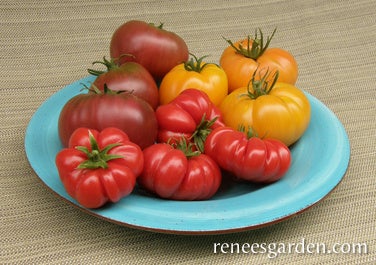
{"x":195,"y":64}
{"x":106,"y":90}
{"x":186,"y":148}
{"x":158,"y":27}
{"x":110,"y":64}
{"x":202,"y":131}
{"x":249,"y":133}
{"x":255,"y":46}
{"x":97,"y":158}
{"x":261,"y":86}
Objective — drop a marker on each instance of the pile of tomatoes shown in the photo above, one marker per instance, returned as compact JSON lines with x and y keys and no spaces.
{"x":163,"y":119}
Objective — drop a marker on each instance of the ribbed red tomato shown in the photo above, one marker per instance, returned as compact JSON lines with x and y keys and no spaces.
{"x":191,"y":115}
{"x":248,"y":158}
{"x":99,"y":167}
{"x":172,"y":173}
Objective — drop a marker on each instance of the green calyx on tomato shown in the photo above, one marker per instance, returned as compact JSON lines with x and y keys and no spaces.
{"x":202,"y":131}
{"x":97,"y":158}
{"x":261,"y":86}
{"x":186,"y":147}
{"x":255,"y":46}
{"x":248,"y":133}
{"x":195,"y":64}
{"x":110,"y":65}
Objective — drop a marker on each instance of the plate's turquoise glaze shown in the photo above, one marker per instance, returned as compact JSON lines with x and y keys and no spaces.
{"x":319,"y":161}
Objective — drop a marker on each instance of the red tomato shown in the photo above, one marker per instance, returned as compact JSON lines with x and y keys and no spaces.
{"x":124,"y":111}
{"x":252,"y":159}
{"x":191,"y":115}
{"x":171,"y":175}
{"x":130,"y":77}
{"x":158,"y":50}
{"x":99,"y":167}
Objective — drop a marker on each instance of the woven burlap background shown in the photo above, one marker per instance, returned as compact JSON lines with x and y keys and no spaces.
{"x":48,"y":44}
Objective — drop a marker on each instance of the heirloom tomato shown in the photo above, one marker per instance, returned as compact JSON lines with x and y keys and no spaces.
{"x":179,"y":173}
{"x":241,"y":59}
{"x":129,"y":77}
{"x":191,"y":115}
{"x":157,"y":49}
{"x":194,"y":73}
{"x":248,"y":158}
{"x":109,"y":109}
{"x":278,"y":110}
{"x":99,"y":167}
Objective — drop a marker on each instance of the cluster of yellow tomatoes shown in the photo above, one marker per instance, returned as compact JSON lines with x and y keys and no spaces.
{"x":254,"y":87}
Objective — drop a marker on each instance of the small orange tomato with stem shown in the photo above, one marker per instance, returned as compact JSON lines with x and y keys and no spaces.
{"x":241,"y":59}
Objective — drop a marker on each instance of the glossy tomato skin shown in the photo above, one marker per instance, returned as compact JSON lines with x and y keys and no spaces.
{"x":174,"y":123}
{"x":211,"y":79}
{"x":283,"y":114}
{"x":124,"y":111}
{"x":239,"y":68}
{"x":94,"y":187}
{"x":254,"y":159}
{"x":133,"y":78}
{"x":158,"y":50}
{"x":181,"y":117}
{"x":169,"y":174}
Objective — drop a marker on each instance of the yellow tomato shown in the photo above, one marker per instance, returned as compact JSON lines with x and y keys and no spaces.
{"x":206,"y":77}
{"x":280,"y":111}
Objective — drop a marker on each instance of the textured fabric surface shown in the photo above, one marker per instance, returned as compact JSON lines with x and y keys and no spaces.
{"x":48,"y":44}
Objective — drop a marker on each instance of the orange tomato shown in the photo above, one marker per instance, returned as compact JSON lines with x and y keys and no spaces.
{"x":207,"y":77}
{"x":280,"y":110}
{"x":241,"y":59}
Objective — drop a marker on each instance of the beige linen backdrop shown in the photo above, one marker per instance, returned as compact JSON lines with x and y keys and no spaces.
{"x":46,"y":45}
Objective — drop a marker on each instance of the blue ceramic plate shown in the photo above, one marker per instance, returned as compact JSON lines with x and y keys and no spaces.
{"x":319,"y":161}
